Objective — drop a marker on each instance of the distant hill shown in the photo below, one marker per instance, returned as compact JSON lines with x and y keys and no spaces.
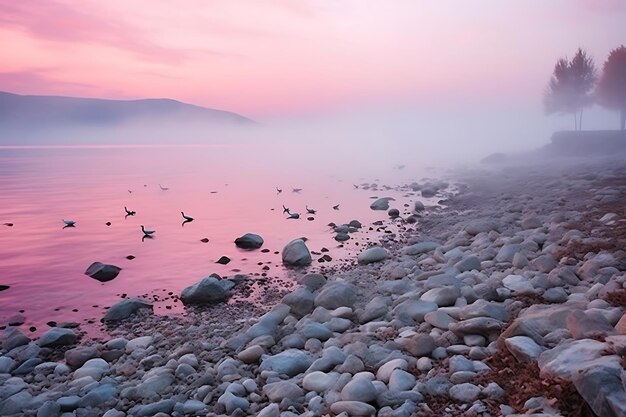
{"x":36,"y":116}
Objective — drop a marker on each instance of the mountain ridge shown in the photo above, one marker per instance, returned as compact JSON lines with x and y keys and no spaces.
{"x":32,"y":111}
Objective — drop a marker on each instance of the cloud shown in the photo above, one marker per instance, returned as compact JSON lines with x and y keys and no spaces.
{"x":55,"y":21}
{"x":36,"y":80}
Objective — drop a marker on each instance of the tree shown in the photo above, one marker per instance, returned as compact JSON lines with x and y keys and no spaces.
{"x":570,"y":87}
{"x":611,"y":91}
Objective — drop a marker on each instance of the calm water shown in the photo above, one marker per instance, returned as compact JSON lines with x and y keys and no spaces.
{"x":229,"y":190}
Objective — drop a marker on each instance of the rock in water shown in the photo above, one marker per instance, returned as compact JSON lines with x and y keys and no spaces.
{"x":249,"y":241}
{"x":209,"y":290}
{"x":125,"y":308}
{"x":57,"y":337}
{"x":102,"y":272}
{"x":4,"y":287}
{"x":296,"y":253}
{"x":373,"y":254}
{"x":224,"y":260}
{"x":381,"y":203}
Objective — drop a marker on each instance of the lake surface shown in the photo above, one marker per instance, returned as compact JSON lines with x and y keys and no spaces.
{"x":229,"y":190}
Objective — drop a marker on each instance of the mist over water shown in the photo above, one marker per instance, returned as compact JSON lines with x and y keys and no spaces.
{"x":230,"y":190}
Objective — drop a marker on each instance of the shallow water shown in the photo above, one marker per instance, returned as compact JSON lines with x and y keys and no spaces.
{"x":229,"y":190}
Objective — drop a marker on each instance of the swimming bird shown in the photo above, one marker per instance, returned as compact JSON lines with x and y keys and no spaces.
{"x":187,"y":218}
{"x":163,"y":188}
{"x":130,"y":191}
{"x":310,"y":210}
{"x":147,"y":232}
{"x":294,"y":216}
{"x":286,"y":210}
{"x":336,"y":207}
{"x":129,"y":212}
{"x":279,"y":190}
{"x":355,"y":186}
{"x":296,"y":190}
{"x":69,"y":223}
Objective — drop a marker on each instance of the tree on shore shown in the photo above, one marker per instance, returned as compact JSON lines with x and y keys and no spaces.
{"x":570,"y":87}
{"x":611,"y":91}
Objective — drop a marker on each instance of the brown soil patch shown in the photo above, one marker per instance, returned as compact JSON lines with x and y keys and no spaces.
{"x":521,"y":381}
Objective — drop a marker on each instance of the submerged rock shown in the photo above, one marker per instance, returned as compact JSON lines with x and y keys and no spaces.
{"x":209,"y":290}
{"x":57,"y":337}
{"x":102,"y":272}
{"x":249,"y":241}
{"x":125,"y":308}
{"x":381,"y":203}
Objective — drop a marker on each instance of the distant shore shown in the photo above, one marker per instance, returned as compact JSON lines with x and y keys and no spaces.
{"x":507,"y":301}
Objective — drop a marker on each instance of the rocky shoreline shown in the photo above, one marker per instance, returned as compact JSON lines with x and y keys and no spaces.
{"x":510,"y":301}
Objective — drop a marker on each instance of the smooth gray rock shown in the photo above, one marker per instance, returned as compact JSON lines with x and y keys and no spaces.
{"x":6,"y":364}
{"x":291,"y":362}
{"x":401,"y":380}
{"x":319,"y":381}
{"x":418,"y":345}
{"x":468,"y":264}
{"x":443,"y":296}
{"x":69,"y":403}
{"x":27,"y":366}
{"x":375,"y":308}
{"x":232,"y":402}
{"x":480,"y":226}
{"x":57,"y":336}
{"x":485,"y":326}
{"x":584,"y":325}
{"x":77,"y":356}
{"x":336,"y":294}
{"x":555,"y":295}
{"x":296,"y":253}
{"x":99,"y":395}
{"x":125,"y":308}
{"x":16,"y":403}
{"x":371,"y":255}
{"x":271,"y":410}
{"x":278,"y":391}
{"x":465,"y":393}
{"x":544,"y":263}
{"x":518,"y":284}
{"x":249,"y":241}
{"x":382,"y":203}
{"x":313,"y":281}
{"x":414,"y":310}
{"x":569,"y":358}
{"x":49,"y":409}
{"x":14,"y":338}
{"x":301,"y":301}
{"x":359,"y":389}
{"x":163,"y":406}
{"x":603,"y":389}
{"x":209,"y":290}
{"x":507,"y":252}
{"x":102,"y":272}
{"x":420,"y":248}
{"x":419,"y":206}
{"x":523,"y":348}
{"x":352,"y":408}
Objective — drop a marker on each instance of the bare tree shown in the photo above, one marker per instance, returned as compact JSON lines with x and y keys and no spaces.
{"x":611,"y":91}
{"x":570,"y":87}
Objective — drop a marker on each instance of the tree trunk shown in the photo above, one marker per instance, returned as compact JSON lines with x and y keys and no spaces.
{"x":580,"y":119}
{"x":622,"y":114}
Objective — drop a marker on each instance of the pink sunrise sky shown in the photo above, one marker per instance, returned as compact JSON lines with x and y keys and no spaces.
{"x":282,"y":58}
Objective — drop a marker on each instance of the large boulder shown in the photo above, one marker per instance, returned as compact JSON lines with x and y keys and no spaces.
{"x":209,"y":290}
{"x":102,"y":272}
{"x":291,"y":362}
{"x":57,"y":336}
{"x":373,"y":254}
{"x":335,"y":295}
{"x":126,"y":308}
{"x":249,"y":241}
{"x":296,"y":253}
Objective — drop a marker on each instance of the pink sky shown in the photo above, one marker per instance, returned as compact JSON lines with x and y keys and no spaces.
{"x":282,"y":58}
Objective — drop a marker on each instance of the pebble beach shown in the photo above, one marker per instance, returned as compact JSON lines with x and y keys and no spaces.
{"x":506,"y":299}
